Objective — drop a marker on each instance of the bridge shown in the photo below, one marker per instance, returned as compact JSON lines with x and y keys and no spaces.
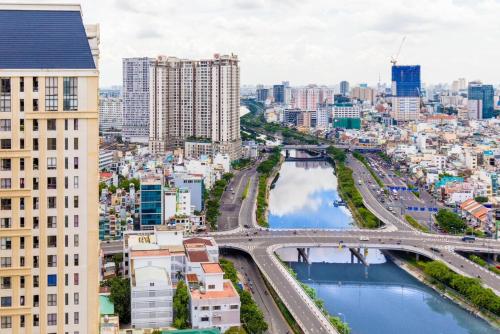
{"x":322,"y":147}
{"x":261,"y":245}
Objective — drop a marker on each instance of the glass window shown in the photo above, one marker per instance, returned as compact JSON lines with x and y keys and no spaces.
{"x":6,"y":282}
{"x":35,"y":84}
{"x":35,"y":104}
{"x":5,"y":99}
{"x":5,"y":124}
{"x":52,"y":319}
{"x":5,"y":183}
{"x":51,"y":94}
{"x":51,"y":124}
{"x":5,"y":144}
{"x":70,"y":94}
{"x":6,"y":321}
{"x":51,"y":299}
{"x":51,"y":163}
{"x":51,"y":144}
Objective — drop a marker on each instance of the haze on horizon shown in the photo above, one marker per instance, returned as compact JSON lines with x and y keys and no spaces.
{"x":305,"y":42}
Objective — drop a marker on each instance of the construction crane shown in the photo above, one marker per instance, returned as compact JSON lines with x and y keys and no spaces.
{"x":394,"y":59}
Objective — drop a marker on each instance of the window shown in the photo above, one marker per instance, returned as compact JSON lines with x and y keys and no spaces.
{"x":5,"y":164}
{"x":6,"y":301}
{"x":75,"y":162}
{"x":75,"y":143}
{"x":5,"y":144}
{"x":51,"y":163}
{"x":35,"y":104}
{"x":21,"y":84}
{"x":35,"y":125}
{"x":5,"y":125}
{"x":51,"y":260}
{"x":21,"y":143}
{"x":6,"y":321}
{"x":76,"y":298}
{"x":21,"y":222}
{"x":51,"y":319}
{"x":6,"y":262}
{"x":35,"y":144}
{"x":216,"y":307}
{"x":36,"y":242}
{"x":76,"y":260}
{"x":21,"y":261}
{"x":36,"y":203}
{"x":35,"y":163}
{"x":51,"y":241}
{"x":66,"y":202}
{"x":205,"y":308}
{"x":52,"y":221}
{"x":5,"y":99}
{"x":22,"y":281}
{"x":35,"y":84}
{"x":233,"y":307}
{"x":51,"y":144}
{"x":204,"y":318}
{"x":75,"y":182}
{"x":50,"y":94}
{"x":66,"y":144}
{"x":21,"y":124}
{"x":35,"y":183}
{"x":5,"y":183}
{"x":75,"y":220}
{"x":51,"y":202}
{"x":52,"y":183}
{"x":76,"y":318}
{"x":51,"y":124}
{"x":211,"y":286}
{"x":66,"y":163}
{"x":5,"y":243}
{"x":36,"y":281}
{"x":21,"y":105}
{"x":76,"y":240}
{"x":35,"y":222}
{"x":51,"y":299}
{"x":75,"y":201}
{"x":5,"y":282}
{"x":21,"y":241}
{"x":70,"y":95}
{"x":5,"y":223}
{"x":66,"y":182}
{"x":36,"y":320}
{"x":76,"y":279}
{"x":21,"y":163}
{"x":6,"y":204}
{"x":75,"y":124}
{"x":66,"y":124}
{"x":22,"y":321}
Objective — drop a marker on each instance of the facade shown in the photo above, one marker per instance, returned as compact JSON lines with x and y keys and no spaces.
{"x":406,"y":108}
{"x":406,"y":92}
{"x":49,"y":170}
{"x":363,"y":94}
{"x":484,"y":93}
{"x":195,"y":99}
{"x":308,"y":98}
{"x":262,"y":94}
{"x":214,"y":302}
{"x":151,"y":201}
{"x":344,"y":88}
{"x":110,"y":115}
{"x":279,"y":93}
{"x":136,"y":99}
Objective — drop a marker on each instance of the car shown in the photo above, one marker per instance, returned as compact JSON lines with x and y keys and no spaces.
{"x":364,"y":238}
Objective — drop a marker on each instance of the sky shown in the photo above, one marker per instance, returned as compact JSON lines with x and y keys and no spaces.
{"x":305,"y":41}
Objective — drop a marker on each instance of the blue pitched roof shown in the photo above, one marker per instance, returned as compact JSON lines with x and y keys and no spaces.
{"x":43,"y":39}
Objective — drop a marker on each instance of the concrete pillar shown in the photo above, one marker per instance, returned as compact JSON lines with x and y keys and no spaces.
{"x":416,"y":256}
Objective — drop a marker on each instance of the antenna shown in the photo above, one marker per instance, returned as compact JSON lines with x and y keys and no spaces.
{"x":394,"y":59}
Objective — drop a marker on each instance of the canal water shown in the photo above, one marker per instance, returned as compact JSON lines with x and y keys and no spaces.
{"x":379,"y":299}
{"x":304,"y":195}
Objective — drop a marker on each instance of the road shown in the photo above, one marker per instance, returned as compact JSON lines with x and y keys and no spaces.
{"x":261,"y":295}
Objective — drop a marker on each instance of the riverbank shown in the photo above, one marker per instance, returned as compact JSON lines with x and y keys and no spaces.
{"x":348,"y":191}
{"x":268,"y":170}
{"x":413,"y":270}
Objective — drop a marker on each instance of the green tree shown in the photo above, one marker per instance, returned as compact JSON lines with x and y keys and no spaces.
{"x":117,"y":259}
{"x":481,"y":199}
{"x":120,"y":297}
{"x":181,"y":306}
{"x":450,"y":221}
{"x":235,"y":330}
{"x":102,"y":186}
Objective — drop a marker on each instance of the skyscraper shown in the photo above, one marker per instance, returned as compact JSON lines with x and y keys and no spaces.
{"x":136,"y":99}
{"x":48,"y":170}
{"x":196,"y":101}
{"x":344,"y":88}
{"x":406,"y":92}
{"x":279,"y":93}
{"x":484,"y":93}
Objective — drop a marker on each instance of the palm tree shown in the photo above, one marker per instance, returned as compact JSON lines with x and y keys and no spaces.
{"x":179,"y":275}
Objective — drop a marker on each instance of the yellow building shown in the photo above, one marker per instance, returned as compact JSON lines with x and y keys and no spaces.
{"x":48,"y":170}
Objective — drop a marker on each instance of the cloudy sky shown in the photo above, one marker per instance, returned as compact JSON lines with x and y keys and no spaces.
{"x":306,"y":41}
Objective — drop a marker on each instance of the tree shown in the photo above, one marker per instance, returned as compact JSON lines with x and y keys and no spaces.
{"x":234,"y":330}
{"x":117,"y":259}
{"x":481,"y":199}
{"x":181,"y":306}
{"x":450,"y":221}
{"x":120,"y":297}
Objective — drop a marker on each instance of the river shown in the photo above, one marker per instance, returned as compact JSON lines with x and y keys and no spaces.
{"x":379,"y":299}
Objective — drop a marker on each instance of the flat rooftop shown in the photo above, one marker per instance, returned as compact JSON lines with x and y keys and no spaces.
{"x":228,"y":292}
{"x":212,"y":268}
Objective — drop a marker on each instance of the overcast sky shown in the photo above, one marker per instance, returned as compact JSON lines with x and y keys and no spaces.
{"x":306,"y":41}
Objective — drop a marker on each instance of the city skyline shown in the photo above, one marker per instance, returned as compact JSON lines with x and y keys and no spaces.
{"x":323,"y":43}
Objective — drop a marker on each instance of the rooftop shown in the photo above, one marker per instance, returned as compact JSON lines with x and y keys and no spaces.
{"x":50,"y":37}
{"x":106,"y":307}
{"x":212,"y":268}
{"x":197,"y":256}
{"x":228,"y":292}
{"x":145,"y":275}
{"x":203,"y":241}
{"x":150,"y":252}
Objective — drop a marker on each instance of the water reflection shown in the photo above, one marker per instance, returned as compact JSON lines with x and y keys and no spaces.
{"x":303,"y":197}
{"x":381,"y":298}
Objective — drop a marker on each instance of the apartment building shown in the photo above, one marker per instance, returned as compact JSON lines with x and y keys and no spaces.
{"x":48,"y":170}
{"x":196,"y":101}
{"x":110,"y":115}
{"x":136,"y":96}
